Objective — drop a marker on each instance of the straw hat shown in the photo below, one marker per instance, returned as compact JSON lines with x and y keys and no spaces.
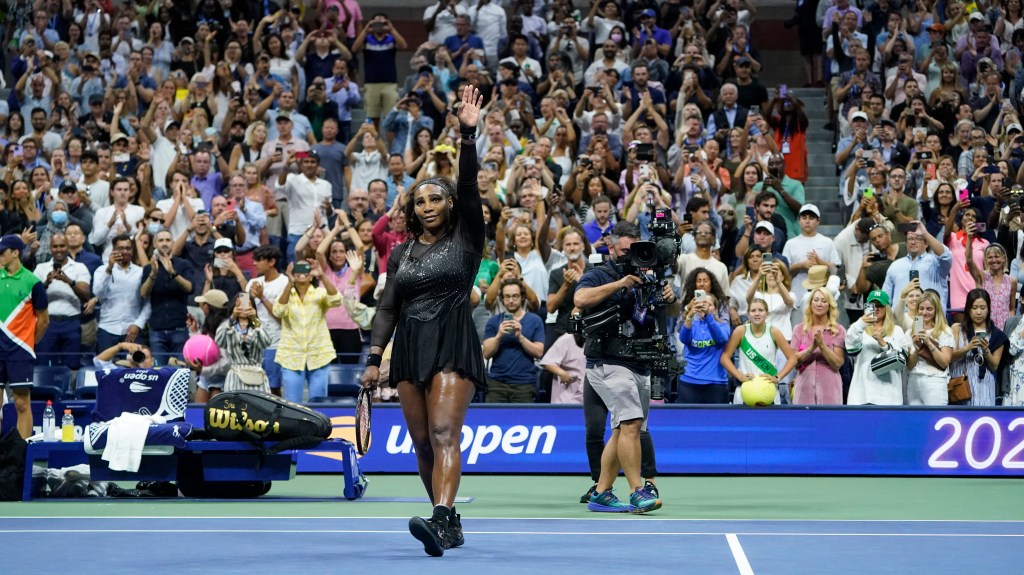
{"x":817,"y":277}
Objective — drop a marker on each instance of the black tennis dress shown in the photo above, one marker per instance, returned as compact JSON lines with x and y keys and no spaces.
{"x":426,"y":295}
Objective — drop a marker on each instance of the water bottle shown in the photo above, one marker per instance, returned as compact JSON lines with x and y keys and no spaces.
{"x":67,"y":427}
{"x":49,"y":422}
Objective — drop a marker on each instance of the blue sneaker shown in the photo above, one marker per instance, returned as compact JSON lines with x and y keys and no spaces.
{"x":643,"y":501}
{"x":607,"y":502}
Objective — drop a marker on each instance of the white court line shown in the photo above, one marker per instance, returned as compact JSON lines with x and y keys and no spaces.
{"x":738,"y":555}
{"x":604,"y":517}
{"x":544,"y":533}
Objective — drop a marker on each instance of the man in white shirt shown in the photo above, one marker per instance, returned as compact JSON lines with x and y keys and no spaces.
{"x":853,"y":243}
{"x":529,"y":69}
{"x":305,"y":193}
{"x":704,"y":236}
{"x":116,"y":219}
{"x":491,"y":24}
{"x":265,"y":290}
{"x":97,"y":190}
{"x":116,"y":286}
{"x":181,"y":207}
{"x":67,"y":288}
{"x":808,"y":249}
{"x":439,"y":19}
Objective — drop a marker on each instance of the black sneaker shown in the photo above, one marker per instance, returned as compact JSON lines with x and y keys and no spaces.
{"x":652,"y":489}
{"x":455,"y":537}
{"x":590,"y":493}
{"x":432,"y":533}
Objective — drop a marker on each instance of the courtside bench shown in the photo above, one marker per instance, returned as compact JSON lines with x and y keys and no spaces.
{"x":221,"y":460}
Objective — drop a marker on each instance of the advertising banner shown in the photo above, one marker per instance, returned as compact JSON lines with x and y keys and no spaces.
{"x":715,"y":440}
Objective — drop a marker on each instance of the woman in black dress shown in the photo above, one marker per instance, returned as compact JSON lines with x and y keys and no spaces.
{"x":437,"y":363}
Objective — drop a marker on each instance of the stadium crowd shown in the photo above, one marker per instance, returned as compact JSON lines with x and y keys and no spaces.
{"x":182,"y":166}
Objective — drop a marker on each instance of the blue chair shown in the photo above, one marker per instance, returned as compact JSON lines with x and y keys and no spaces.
{"x":47,"y":393}
{"x":343,"y":380}
{"x":85,"y":382}
{"x":56,"y":376}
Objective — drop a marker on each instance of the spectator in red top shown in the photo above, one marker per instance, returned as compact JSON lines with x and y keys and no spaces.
{"x":389,"y":231}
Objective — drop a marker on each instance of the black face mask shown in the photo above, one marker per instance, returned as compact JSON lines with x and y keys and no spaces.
{"x":239,"y":138}
{"x":609,"y":54}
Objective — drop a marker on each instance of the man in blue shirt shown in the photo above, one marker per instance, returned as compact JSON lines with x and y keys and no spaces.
{"x":649,"y":29}
{"x":397,"y":177}
{"x":463,"y":40}
{"x":931,"y":267}
{"x":513,"y":340}
{"x":601,"y":224}
{"x":404,"y":122}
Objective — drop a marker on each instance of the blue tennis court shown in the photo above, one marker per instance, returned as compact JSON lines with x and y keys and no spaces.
{"x":516,"y":545}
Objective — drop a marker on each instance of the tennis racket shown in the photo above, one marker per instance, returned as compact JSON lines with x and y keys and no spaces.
{"x":175,"y":398}
{"x":364,"y":405}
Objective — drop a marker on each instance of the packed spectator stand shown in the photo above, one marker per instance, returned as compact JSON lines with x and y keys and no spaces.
{"x":172,"y":166}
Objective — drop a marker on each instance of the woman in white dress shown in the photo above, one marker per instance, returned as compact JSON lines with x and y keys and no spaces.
{"x":930,"y":355}
{"x":872,"y":334}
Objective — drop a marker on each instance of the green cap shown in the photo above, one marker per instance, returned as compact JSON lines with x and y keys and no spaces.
{"x":878,"y":296}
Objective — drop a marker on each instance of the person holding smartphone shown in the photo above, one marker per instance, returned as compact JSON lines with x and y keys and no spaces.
{"x":978,"y":348}
{"x":874,"y":333}
{"x":513,"y":340}
{"x":897,"y":206}
{"x":930,"y":355}
{"x":993,"y":278}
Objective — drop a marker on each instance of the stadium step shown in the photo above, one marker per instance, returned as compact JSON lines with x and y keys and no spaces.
{"x":822,"y":186}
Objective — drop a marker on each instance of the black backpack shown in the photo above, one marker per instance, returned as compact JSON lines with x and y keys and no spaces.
{"x":257,"y":416}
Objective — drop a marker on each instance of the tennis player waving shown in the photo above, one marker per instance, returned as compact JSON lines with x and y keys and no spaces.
{"x":437,"y":362}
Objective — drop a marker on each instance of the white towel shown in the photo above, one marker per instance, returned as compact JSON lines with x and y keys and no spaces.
{"x":126,"y":438}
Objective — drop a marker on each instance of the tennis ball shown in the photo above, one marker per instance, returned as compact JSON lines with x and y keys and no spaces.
{"x":758,"y":392}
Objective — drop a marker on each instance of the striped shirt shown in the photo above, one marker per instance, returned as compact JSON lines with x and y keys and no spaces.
{"x":305,"y":340}
{"x":22,"y":296}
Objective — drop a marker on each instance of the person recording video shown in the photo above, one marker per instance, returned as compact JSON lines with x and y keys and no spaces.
{"x":622,"y":311}
{"x":139,"y":356}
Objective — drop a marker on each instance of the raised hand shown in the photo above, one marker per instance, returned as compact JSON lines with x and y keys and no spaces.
{"x":469,"y":109}
{"x":355,"y":261}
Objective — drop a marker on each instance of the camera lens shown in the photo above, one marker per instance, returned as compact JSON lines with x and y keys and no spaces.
{"x":138,"y":356}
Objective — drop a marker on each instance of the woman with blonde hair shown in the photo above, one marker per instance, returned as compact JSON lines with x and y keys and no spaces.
{"x":772,"y":284}
{"x":930,"y":354}
{"x":740,"y":281}
{"x":819,"y":343}
{"x":875,"y":333}
{"x":905,"y":309}
{"x":251,"y":149}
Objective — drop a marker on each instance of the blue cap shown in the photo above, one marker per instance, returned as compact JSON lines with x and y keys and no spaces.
{"x":11,"y":242}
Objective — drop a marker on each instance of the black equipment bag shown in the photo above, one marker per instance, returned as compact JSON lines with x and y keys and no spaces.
{"x":257,"y":416}
{"x":12,"y":466}
{"x":191,"y":482}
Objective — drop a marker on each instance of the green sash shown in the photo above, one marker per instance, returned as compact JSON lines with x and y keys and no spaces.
{"x":766,"y":367}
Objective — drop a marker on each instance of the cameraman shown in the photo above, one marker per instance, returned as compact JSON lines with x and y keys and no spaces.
{"x":139,"y":356}
{"x":622,"y":384}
